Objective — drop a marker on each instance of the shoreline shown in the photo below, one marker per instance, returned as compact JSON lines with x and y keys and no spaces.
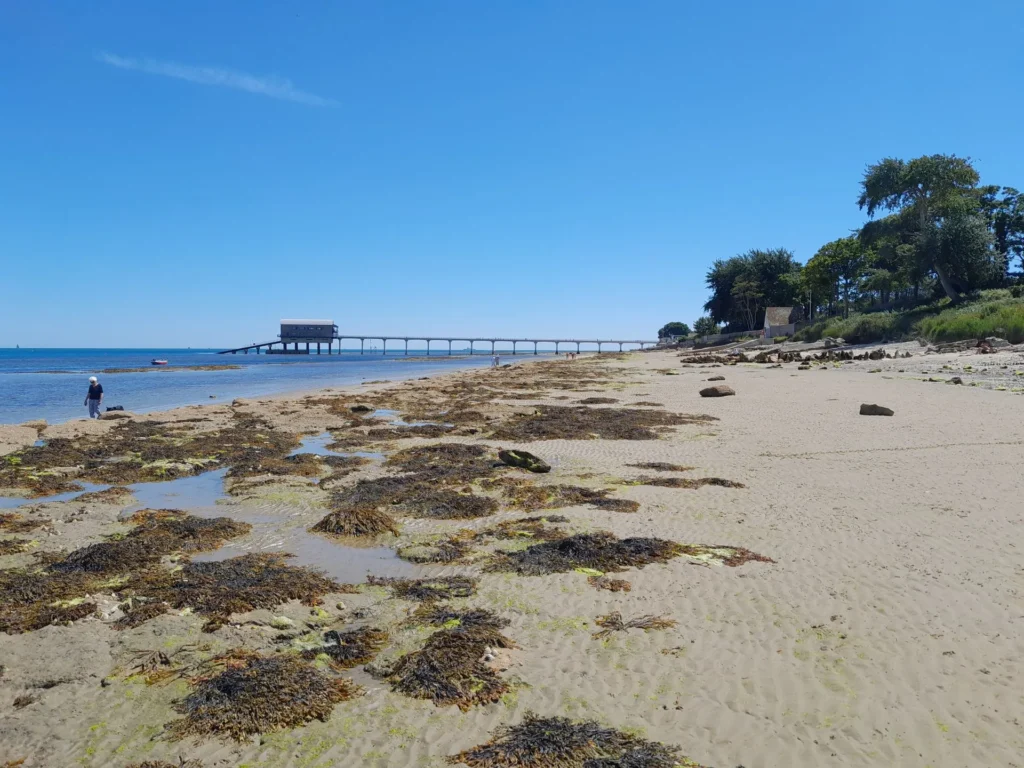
{"x":853,"y":573}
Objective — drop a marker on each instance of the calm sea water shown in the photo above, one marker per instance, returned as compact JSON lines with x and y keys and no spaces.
{"x":51,"y":383}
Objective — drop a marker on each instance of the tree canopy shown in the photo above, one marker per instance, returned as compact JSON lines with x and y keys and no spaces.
{"x":673,"y":329}
{"x":744,"y":286}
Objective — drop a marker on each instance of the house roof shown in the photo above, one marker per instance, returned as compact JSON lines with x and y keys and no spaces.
{"x":778,"y":316}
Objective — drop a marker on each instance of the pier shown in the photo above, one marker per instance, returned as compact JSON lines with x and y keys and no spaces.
{"x":323,"y":345}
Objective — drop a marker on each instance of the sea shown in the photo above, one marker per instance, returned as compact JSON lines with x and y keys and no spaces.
{"x":51,"y":384}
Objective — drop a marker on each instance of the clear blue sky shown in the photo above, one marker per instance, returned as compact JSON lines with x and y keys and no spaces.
{"x":187,"y":173}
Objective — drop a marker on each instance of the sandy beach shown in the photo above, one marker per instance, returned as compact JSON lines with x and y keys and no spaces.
{"x":846,"y":591}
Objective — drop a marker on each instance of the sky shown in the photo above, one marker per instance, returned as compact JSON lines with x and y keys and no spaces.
{"x":188,"y":173}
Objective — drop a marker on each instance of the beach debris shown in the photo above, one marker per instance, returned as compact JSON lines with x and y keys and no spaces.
{"x":601,"y":551}
{"x":358,"y":521}
{"x":660,"y":466}
{"x":648,"y":404}
{"x":282,"y":623}
{"x":613,"y":623}
{"x":519,"y":493}
{"x":554,"y":422}
{"x":182,"y":763}
{"x":558,"y":742}
{"x":350,"y":649}
{"x":523,"y":460}
{"x":955,"y":380}
{"x":241,"y":693}
{"x":719,"y":390}
{"x":598,"y":401}
{"x":871,"y":409}
{"x":427,"y":590}
{"x":609,"y":584}
{"x":716,"y":378}
{"x":361,"y":408}
{"x":449,"y":669}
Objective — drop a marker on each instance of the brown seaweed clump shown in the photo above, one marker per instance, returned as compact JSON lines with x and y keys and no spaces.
{"x":237,"y":585}
{"x":182,"y":763}
{"x":687,"y":482}
{"x":243,"y":694}
{"x":557,"y":422}
{"x":350,"y":649}
{"x":519,"y":493}
{"x":601,"y":551}
{"x":613,"y":623}
{"x":14,"y":546}
{"x":449,"y":669}
{"x":30,"y":600}
{"x":458,"y":547}
{"x":12,"y":522}
{"x":160,"y":533}
{"x":598,"y":401}
{"x":115,"y":494}
{"x":557,"y":742}
{"x":416,"y":495}
{"x":357,"y":521}
{"x":427,"y":590}
{"x":609,"y":584}
{"x":660,"y":466}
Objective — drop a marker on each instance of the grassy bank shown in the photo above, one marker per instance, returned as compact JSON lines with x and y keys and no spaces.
{"x":991,"y":313}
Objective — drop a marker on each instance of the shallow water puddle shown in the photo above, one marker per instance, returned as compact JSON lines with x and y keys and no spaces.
{"x":284,"y":530}
{"x":203,"y":490}
{"x":317,"y":445}
{"x":10,"y":502}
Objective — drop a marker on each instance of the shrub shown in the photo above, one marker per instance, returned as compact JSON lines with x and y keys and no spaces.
{"x":1005,"y":320}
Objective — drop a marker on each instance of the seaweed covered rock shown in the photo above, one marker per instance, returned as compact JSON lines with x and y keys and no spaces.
{"x":523,"y":460}
{"x":243,"y":694}
{"x":358,"y":521}
{"x":558,"y":742}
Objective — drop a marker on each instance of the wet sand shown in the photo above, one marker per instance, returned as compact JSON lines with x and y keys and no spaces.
{"x":888,"y":630}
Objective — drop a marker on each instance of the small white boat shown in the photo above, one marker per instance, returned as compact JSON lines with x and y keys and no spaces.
{"x":158,"y":362}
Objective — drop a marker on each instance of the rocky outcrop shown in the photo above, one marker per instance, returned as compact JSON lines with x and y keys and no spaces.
{"x":875,"y":410}
{"x":719,"y":390}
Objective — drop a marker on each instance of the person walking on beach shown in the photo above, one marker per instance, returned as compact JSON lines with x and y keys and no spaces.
{"x":495,"y":361}
{"x":94,"y":398}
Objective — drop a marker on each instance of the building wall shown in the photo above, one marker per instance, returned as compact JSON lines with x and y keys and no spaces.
{"x":303,"y":332}
{"x":780,"y":330}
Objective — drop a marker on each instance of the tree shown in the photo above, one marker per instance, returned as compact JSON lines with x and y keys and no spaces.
{"x":922,"y":191}
{"x":766,"y":278}
{"x":1003,"y":207}
{"x":835,"y":270}
{"x":705,"y":326}
{"x":673,"y":329}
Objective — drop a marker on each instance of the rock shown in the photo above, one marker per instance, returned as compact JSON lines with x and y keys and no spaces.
{"x":716,"y":378}
{"x":117,"y":415}
{"x":955,"y":380}
{"x":523,"y":460}
{"x":719,"y":390}
{"x":995,"y":341}
{"x":829,"y":342}
{"x":282,"y":622}
{"x":875,"y":410}
{"x":360,"y":409}
{"x":340,"y":606}
{"x":876,"y":354}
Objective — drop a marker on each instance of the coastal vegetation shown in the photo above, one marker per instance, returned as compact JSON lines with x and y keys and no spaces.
{"x":941,"y":256}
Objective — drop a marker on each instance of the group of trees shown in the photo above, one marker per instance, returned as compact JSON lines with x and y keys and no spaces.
{"x":938,"y":233}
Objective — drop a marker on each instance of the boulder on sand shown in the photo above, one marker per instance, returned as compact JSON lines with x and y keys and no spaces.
{"x":117,"y":415}
{"x":716,"y":378}
{"x":875,"y":410}
{"x":719,"y":390}
{"x":523,"y":460}
{"x":995,"y":341}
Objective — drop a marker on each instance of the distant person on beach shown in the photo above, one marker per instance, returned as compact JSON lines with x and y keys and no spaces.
{"x":495,"y":361}
{"x":94,"y":398}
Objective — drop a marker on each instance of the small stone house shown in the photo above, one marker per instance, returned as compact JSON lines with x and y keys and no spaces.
{"x":782,"y":321}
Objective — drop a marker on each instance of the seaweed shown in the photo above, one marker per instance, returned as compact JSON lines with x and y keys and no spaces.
{"x":182,"y":763}
{"x":49,"y":485}
{"x":241,"y":694}
{"x":14,"y":546}
{"x":237,"y":585}
{"x":427,"y":590}
{"x":519,"y":493}
{"x":523,"y":460}
{"x":159,"y":533}
{"x":298,"y":465}
{"x":449,"y":669}
{"x":350,"y":649}
{"x":557,"y":422}
{"x":113,"y":495}
{"x":613,"y":623}
{"x":686,"y":482}
{"x":600,"y":551}
{"x":558,"y":742}
{"x":598,"y":401}
{"x":660,"y":466}
{"x":358,"y":521}
{"x":444,"y":617}
{"x":31,"y":600}
{"x":136,"y":614}
{"x":12,"y":522}
{"x":732,"y":557}
{"x":451,"y":549}
{"x":648,"y":404}
{"x":417,"y":495}
{"x":609,"y":584}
